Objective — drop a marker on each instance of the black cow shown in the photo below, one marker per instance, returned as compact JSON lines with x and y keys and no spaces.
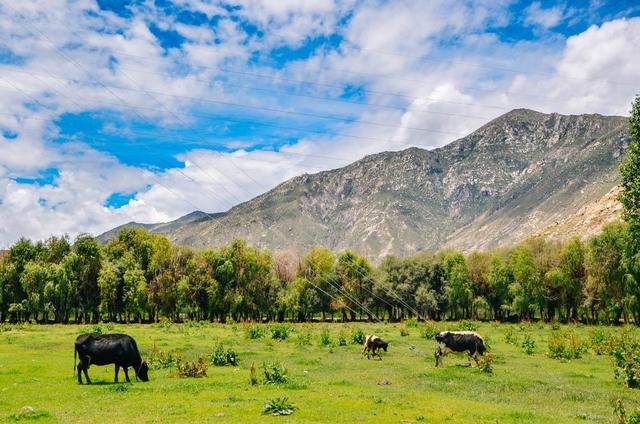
{"x":118,"y":349}
{"x":459,"y":341}
{"x":372,"y":344}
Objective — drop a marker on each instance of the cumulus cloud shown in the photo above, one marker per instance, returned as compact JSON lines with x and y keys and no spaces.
{"x":402,"y":73}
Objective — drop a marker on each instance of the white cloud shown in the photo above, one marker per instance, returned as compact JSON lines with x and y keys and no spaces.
{"x":385,"y":43}
{"x":546,"y":18}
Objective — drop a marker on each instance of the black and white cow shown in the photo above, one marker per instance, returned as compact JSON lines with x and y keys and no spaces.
{"x":459,"y":341}
{"x":118,"y":349}
{"x":372,"y":344}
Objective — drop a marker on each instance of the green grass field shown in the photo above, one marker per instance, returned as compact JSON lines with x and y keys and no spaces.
{"x":327,"y":383}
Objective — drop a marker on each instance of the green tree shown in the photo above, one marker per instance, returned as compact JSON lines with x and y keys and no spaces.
{"x":630,"y":170}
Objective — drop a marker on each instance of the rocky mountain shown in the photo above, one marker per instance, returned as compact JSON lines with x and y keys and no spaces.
{"x":516,"y":176}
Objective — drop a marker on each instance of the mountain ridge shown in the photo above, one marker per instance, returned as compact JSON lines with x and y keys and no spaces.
{"x":510,"y":178}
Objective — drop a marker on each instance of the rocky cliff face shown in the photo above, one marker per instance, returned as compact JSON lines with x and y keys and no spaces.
{"x":513,"y":177}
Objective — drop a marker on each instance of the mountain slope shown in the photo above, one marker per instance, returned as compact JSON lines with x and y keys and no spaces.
{"x":513,"y":177}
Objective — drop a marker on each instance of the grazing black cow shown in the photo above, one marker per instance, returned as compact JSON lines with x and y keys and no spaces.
{"x":459,"y":341}
{"x":372,"y":344}
{"x":118,"y":349}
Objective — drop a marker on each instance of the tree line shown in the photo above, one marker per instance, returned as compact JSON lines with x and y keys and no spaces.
{"x":139,"y":276}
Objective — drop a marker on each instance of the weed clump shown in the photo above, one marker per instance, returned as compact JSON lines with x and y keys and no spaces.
{"x":278,"y":406}
{"x":357,"y":336}
{"x":253,"y":332}
{"x":192,"y":369}
{"x":325,"y":337}
{"x":159,"y":359}
{"x":625,"y":352}
{"x":528,"y":345}
{"x":565,"y":346}
{"x":485,"y":363}
{"x":221,"y":357}
{"x":404,"y":332}
{"x":280,"y":331}
{"x":510,"y":336}
{"x":342,"y":339}
{"x":304,"y":339}
{"x":274,"y":373}
{"x":411,"y":323}
{"x":469,"y":326}
{"x":429,"y":330}
{"x":253,"y":375}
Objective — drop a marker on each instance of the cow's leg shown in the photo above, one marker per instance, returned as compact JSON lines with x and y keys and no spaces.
{"x":475,"y":358}
{"x":126,"y":373}
{"x":117,"y":370}
{"x":85,"y":367}
{"x":80,"y":372}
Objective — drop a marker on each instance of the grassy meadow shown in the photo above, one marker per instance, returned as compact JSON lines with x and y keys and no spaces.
{"x":327,"y":382}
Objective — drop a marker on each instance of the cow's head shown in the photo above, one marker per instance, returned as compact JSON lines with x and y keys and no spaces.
{"x":442,"y":336}
{"x":143,"y":372}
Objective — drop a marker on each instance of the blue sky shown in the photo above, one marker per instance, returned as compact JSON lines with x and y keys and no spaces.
{"x":147,"y":110}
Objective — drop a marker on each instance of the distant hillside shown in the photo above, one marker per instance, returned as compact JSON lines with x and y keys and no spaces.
{"x":515,"y":176}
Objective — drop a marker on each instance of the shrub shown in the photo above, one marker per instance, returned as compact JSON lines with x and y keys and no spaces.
{"x":429,"y":330}
{"x":159,"y":359}
{"x":510,"y":336}
{"x":485,"y":363}
{"x":221,"y":357}
{"x":325,"y":337}
{"x":253,"y":375}
{"x":468,"y":326}
{"x":404,"y":332}
{"x":600,"y":341}
{"x":304,"y":339}
{"x":279,"y":406}
{"x":253,"y":332}
{"x":357,"y":336}
{"x":528,"y":345}
{"x":342,"y":339}
{"x":274,"y":373}
{"x":625,"y":352}
{"x":565,"y":346}
{"x":411,"y":323}
{"x":98,"y":329}
{"x":280,"y":331}
{"x":621,"y":414}
{"x":192,"y":369}
{"x":4,"y":327}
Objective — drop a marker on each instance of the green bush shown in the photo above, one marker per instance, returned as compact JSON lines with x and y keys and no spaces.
{"x":565,"y":345}
{"x":253,"y":332}
{"x":325,"y":337}
{"x":342,"y":339}
{"x":304,"y":339}
{"x":159,"y":359}
{"x":600,"y":341}
{"x":485,"y":363}
{"x":98,"y":329}
{"x":280,"y":331}
{"x":528,"y":345}
{"x":429,"y":330}
{"x":221,"y":357}
{"x":411,"y":323}
{"x":510,"y":336}
{"x":192,"y":369}
{"x":279,"y":406}
{"x":468,"y":326}
{"x":625,"y":352}
{"x":274,"y":373}
{"x":357,"y":336}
